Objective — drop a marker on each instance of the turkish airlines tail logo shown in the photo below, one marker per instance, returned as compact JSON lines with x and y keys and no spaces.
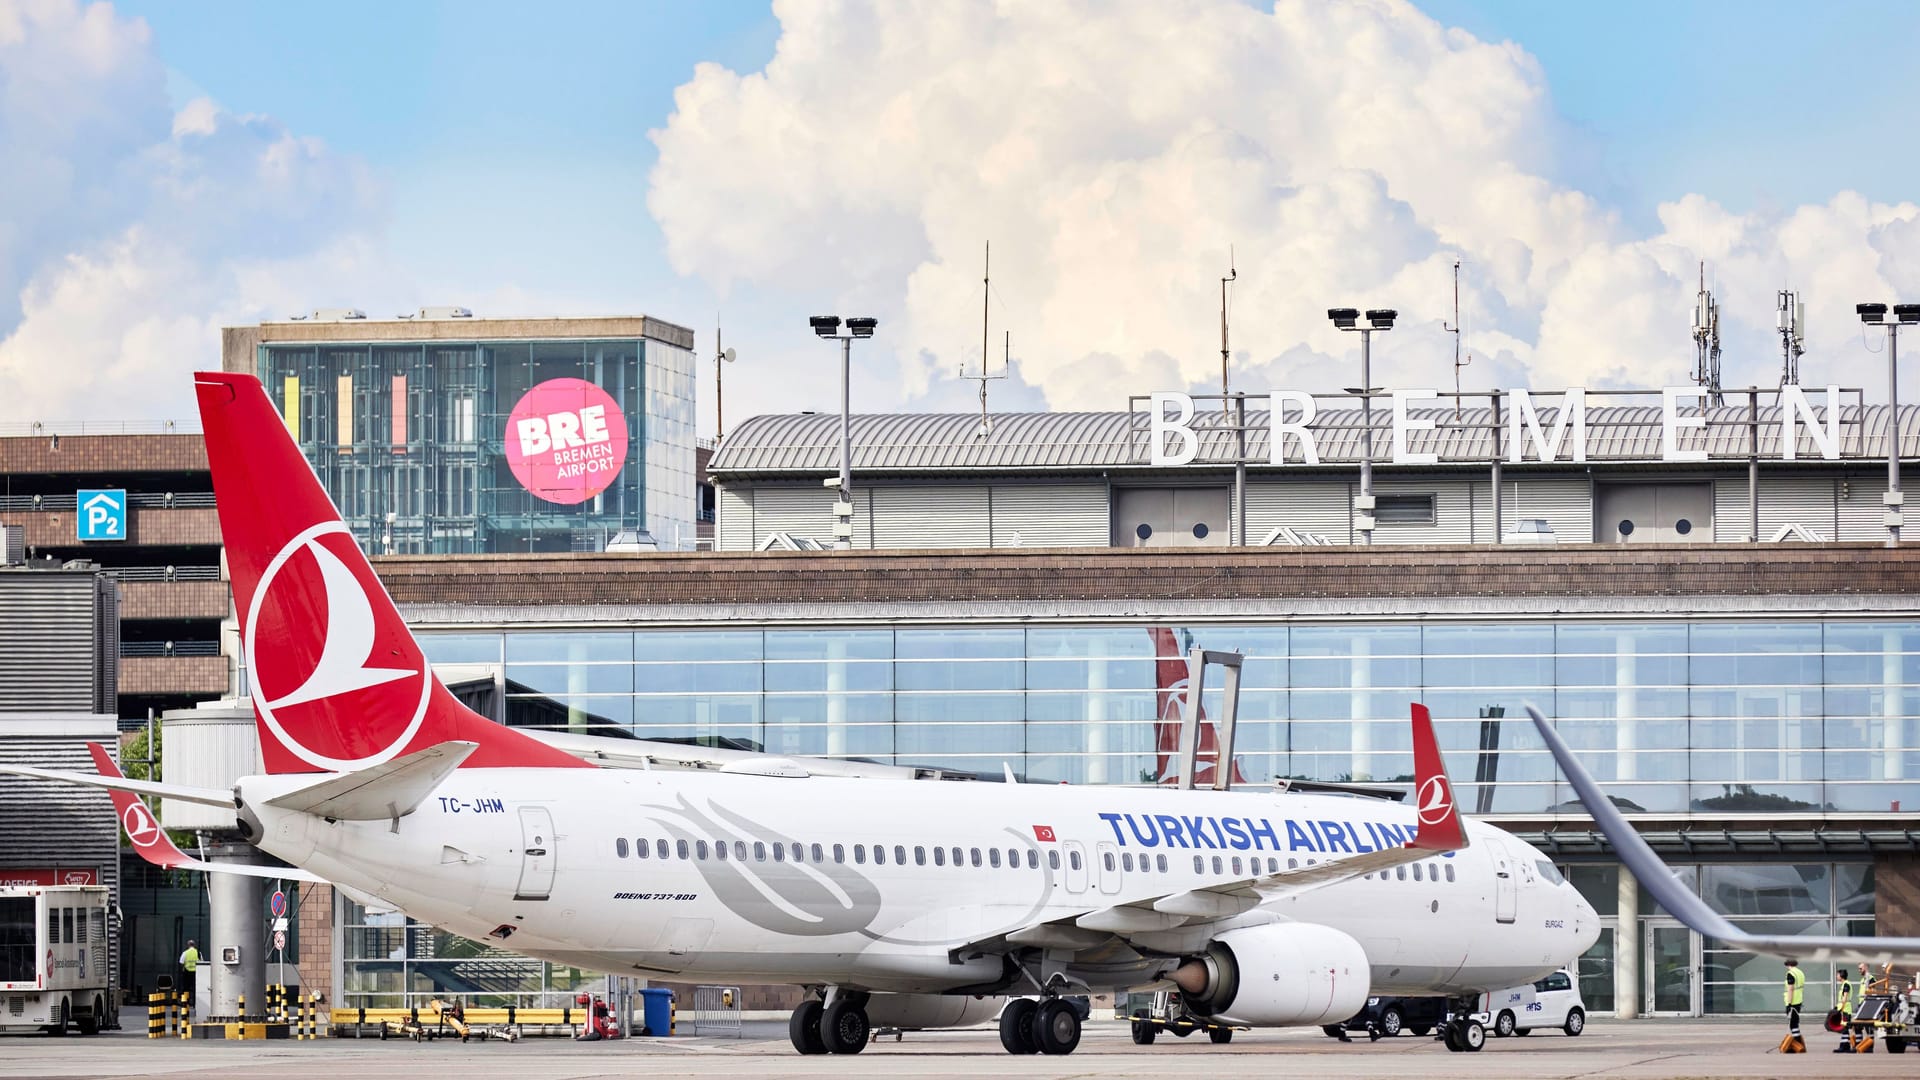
{"x":1440,"y":827}
{"x":149,"y":840}
{"x":338,"y":681}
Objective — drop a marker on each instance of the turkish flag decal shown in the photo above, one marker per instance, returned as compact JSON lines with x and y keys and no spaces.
{"x":1043,"y":833}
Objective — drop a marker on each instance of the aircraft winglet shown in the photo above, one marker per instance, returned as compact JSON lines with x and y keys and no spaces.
{"x":1433,"y":801}
{"x":152,"y":842}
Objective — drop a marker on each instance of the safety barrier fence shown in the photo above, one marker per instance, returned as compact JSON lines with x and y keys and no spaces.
{"x":289,"y":1015}
{"x":384,"y":1023}
{"x":717,"y":1011}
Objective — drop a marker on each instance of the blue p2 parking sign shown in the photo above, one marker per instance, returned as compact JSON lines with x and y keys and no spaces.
{"x":102,"y":513}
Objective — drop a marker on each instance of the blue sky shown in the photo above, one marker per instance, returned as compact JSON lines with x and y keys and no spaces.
{"x":500,"y":156}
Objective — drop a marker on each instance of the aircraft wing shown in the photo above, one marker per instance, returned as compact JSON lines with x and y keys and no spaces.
{"x":1690,"y":908}
{"x":1440,"y":832}
{"x":154,"y":845}
{"x":116,"y":782}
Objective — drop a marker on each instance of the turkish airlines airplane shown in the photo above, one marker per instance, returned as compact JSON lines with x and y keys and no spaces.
{"x":898,"y":902}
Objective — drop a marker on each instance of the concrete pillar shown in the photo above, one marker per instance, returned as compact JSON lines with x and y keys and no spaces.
{"x":1626,"y":950}
{"x":836,"y":697}
{"x":236,"y":910}
{"x":1097,"y":720}
{"x":1360,"y":709}
{"x":578,"y":652}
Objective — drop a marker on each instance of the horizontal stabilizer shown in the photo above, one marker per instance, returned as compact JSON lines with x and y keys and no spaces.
{"x":153,"y":844}
{"x":203,"y":796}
{"x":388,"y":790}
{"x":1684,"y":903}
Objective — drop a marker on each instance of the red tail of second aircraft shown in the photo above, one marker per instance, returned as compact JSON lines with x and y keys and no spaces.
{"x":1170,"y":701}
{"x":1439,"y":817}
{"x":338,"y":681}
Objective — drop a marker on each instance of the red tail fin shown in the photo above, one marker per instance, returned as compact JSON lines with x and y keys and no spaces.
{"x":149,"y":840}
{"x":1439,"y":817}
{"x":338,"y":681}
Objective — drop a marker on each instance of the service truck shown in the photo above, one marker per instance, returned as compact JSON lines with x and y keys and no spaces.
{"x":53,"y":958}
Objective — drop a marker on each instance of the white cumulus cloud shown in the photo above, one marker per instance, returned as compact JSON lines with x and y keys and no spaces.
{"x":1347,"y":152}
{"x":131,"y":232}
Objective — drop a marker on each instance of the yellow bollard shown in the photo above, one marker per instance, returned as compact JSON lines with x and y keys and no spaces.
{"x":183,"y":1013}
{"x":156,"y":1015}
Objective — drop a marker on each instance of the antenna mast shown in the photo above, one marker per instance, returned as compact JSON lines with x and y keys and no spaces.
{"x":1706,"y":340}
{"x":1233,"y":275}
{"x":721,"y":358}
{"x":1793,"y":336}
{"x":1454,"y":329}
{"x":986,"y":295}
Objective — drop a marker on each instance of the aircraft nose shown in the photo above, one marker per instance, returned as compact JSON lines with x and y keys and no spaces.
{"x":1586,"y":922}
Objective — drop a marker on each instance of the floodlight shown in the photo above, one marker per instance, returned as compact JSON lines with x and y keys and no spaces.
{"x":1907,"y":313}
{"x":1871,"y":313}
{"x":825,"y":325}
{"x":862,"y":326}
{"x":1343,"y":317}
{"x":1382,"y":318}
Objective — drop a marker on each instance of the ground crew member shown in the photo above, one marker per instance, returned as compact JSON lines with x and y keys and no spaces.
{"x":1843,"y":1005}
{"x":1795,"y":994}
{"x":189,"y":960}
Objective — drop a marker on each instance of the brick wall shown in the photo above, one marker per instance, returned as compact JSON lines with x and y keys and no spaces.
{"x":316,"y":937}
{"x":1133,"y":574}
{"x":174,"y":600}
{"x":104,"y":454}
{"x":206,"y":676}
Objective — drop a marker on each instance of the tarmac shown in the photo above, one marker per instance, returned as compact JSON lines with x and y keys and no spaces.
{"x":1743,"y":1048}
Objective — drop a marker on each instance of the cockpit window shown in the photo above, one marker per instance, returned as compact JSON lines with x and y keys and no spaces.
{"x":1550,"y":872}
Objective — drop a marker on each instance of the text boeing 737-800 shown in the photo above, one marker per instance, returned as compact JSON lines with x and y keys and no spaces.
{"x":898,"y":902}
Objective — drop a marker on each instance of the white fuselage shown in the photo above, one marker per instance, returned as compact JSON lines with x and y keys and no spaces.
{"x":550,"y":858}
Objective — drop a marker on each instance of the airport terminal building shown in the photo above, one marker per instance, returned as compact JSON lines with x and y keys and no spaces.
{"x":1703,"y":597}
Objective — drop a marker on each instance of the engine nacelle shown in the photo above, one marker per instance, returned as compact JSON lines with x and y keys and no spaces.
{"x":914,"y":1012}
{"x":1278,"y":975}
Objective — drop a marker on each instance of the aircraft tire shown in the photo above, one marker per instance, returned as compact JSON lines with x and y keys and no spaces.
{"x":1220,"y":1035}
{"x":1332,"y":1031}
{"x":803,"y":1027}
{"x":1473,"y":1036}
{"x":1016,"y":1026}
{"x":844,"y":1027}
{"x":1056,"y":1027}
{"x":1143,"y":1033}
{"x":1450,"y":1032}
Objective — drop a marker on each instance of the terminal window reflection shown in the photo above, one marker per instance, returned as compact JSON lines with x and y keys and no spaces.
{"x":1734,"y":717}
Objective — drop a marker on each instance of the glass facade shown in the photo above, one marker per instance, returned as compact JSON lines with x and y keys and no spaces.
{"x":1719,"y":718}
{"x":1733,"y":717}
{"x":410,"y":440}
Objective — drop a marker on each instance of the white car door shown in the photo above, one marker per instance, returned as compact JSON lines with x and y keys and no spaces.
{"x":1554,"y":995}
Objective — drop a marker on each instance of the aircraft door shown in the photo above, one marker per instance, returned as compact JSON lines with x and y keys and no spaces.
{"x":536,"y":854}
{"x":1503,"y":888}
{"x":1076,"y":856}
{"x":1107,"y":863}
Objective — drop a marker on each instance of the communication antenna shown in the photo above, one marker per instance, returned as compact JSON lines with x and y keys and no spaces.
{"x":1706,"y":340}
{"x":1793,"y":336}
{"x":721,"y":358}
{"x":986,"y":296}
{"x":1233,"y":275}
{"x":1454,"y":329}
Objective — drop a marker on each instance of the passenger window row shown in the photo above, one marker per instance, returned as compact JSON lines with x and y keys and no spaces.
{"x":880,"y":854}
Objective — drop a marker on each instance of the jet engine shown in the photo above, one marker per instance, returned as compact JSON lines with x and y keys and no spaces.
{"x":915,"y":1012}
{"x":1277,"y":975}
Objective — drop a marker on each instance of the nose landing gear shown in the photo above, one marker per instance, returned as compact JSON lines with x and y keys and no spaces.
{"x":1464,"y":1034}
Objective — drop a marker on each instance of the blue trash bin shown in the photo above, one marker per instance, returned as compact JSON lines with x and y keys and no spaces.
{"x":657,"y":1009}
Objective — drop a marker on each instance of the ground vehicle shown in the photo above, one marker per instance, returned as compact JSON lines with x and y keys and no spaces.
{"x":1551,"y":1002}
{"x":1166,"y":1013}
{"x":1395,"y":1015}
{"x":53,"y":958}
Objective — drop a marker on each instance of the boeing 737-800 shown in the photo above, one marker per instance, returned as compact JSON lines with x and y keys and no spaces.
{"x":897,"y":902}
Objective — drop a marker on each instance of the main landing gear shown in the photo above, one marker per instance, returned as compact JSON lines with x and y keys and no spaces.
{"x":1051,"y":1026}
{"x":1464,"y":1034}
{"x":817,"y":1027}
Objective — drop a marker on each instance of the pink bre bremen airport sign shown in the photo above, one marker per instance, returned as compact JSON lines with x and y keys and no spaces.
{"x":566,"y":440}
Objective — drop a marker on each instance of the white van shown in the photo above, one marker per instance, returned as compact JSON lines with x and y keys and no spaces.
{"x":1552,"y":1002}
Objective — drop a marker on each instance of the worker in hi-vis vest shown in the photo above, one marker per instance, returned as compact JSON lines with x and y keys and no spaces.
{"x":1795,"y":994}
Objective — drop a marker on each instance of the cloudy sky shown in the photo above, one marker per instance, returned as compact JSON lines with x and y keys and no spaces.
{"x":169,"y":168}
